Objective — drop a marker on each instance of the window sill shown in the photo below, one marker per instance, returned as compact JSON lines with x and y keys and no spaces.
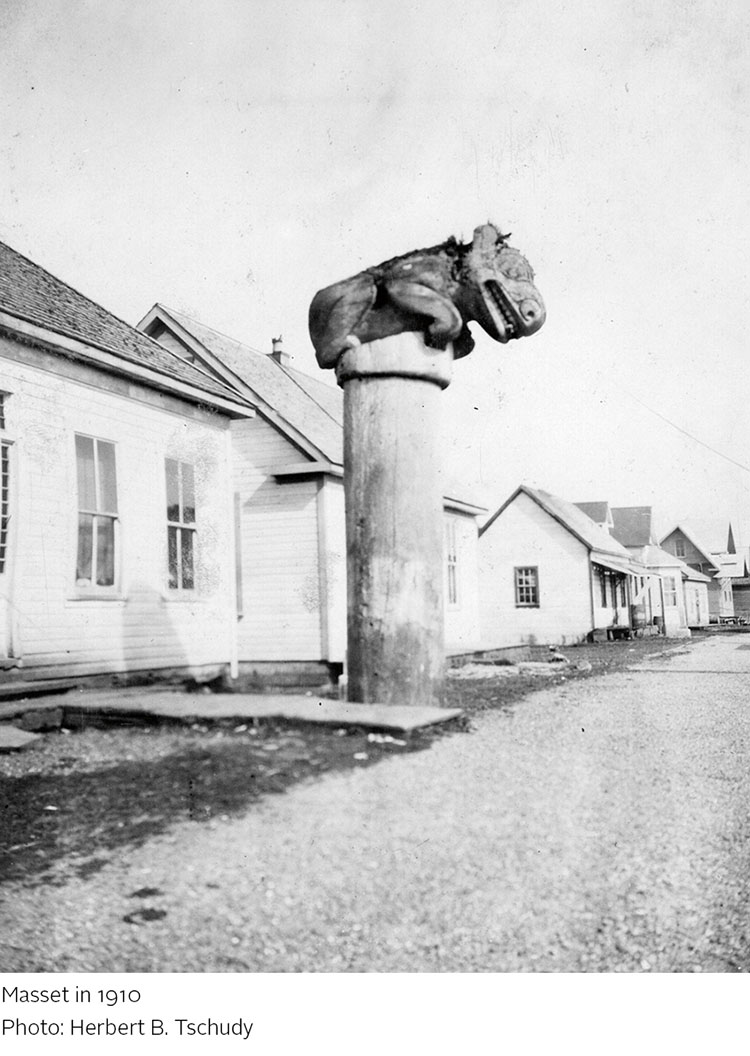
{"x":520,"y":606}
{"x":96,"y":597}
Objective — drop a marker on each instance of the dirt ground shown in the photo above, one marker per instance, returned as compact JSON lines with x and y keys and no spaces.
{"x":597,"y":824}
{"x":474,"y":695}
{"x":82,"y":797}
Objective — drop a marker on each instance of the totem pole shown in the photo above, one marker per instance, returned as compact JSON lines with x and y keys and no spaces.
{"x":391,"y":333}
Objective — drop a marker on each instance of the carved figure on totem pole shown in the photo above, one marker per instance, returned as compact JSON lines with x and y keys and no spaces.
{"x":435,"y":291}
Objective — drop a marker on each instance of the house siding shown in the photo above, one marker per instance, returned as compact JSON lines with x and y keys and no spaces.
{"x":332,"y":521}
{"x":741,"y":597}
{"x":142,"y":625}
{"x":525,"y":535}
{"x":281,"y":585}
{"x":462,"y":625}
{"x":696,"y":604}
{"x":720,"y":600}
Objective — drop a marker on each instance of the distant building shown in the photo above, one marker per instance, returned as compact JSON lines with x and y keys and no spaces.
{"x":549,"y":574}
{"x":678,"y":593}
{"x":719,"y":567}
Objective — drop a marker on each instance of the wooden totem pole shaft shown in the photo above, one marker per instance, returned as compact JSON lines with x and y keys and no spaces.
{"x":394,"y":519}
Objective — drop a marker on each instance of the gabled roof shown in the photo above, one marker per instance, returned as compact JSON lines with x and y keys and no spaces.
{"x":654,"y":556}
{"x":693,"y":574}
{"x":31,"y":295}
{"x":632,"y":525}
{"x":596,"y":539}
{"x":311,"y":410}
{"x":711,"y":559}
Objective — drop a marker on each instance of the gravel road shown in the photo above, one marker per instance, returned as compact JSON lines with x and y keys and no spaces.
{"x":599,"y":825}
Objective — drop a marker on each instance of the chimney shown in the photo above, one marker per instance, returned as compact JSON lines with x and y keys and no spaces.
{"x":278,"y":354}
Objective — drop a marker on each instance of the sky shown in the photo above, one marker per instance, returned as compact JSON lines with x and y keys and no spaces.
{"x":229,"y":159}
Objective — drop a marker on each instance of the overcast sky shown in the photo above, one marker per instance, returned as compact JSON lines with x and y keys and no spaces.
{"x":230,"y":158}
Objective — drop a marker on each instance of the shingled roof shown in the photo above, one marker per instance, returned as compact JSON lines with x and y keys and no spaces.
{"x":33,"y":295}
{"x":633,"y":525}
{"x":597,"y":539}
{"x":312,"y":408}
{"x":599,"y":512}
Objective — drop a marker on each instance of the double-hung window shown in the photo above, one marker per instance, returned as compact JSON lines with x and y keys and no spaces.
{"x":670,"y":591}
{"x":181,"y":527}
{"x":527,"y":587}
{"x":96,"y":564}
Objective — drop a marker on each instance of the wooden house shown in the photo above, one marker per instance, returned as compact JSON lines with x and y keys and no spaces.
{"x":549,"y":574}
{"x":116,"y":534}
{"x":678,"y":594}
{"x":289,"y":509}
{"x":718,"y":566}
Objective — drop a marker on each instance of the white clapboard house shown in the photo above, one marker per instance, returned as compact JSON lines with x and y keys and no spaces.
{"x":551,"y":574}
{"x":288,"y":499}
{"x":117,"y":529}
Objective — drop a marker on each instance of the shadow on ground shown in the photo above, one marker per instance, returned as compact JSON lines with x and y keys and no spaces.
{"x":72,"y":804}
{"x":78,"y":803}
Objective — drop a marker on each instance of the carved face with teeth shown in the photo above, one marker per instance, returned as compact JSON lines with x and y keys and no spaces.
{"x":498,"y":290}
{"x":437,"y":291}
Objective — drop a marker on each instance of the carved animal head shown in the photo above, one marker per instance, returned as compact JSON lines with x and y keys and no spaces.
{"x":437,"y":291}
{"x":497,"y":288}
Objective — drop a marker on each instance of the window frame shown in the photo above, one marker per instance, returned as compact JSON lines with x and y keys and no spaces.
{"x":518,"y":586}
{"x":670,"y":590}
{"x":452,"y":574}
{"x":181,"y":527}
{"x":92,"y":589}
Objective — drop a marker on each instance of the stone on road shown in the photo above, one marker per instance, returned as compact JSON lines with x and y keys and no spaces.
{"x":601,"y":825}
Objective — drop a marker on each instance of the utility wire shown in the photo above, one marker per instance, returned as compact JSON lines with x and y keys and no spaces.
{"x":713,"y":450}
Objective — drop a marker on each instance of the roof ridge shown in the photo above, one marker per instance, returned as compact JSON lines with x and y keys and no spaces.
{"x":206,"y":326}
{"x":286,"y":370}
{"x":56,"y":328}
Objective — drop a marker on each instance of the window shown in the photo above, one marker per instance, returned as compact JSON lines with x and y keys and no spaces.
{"x":180,"y":524}
{"x":97,"y":512}
{"x":451,"y":552}
{"x":4,"y":502}
{"x":3,"y":406}
{"x":670,"y":591}
{"x":679,"y":546}
{"x":527,"y":587}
